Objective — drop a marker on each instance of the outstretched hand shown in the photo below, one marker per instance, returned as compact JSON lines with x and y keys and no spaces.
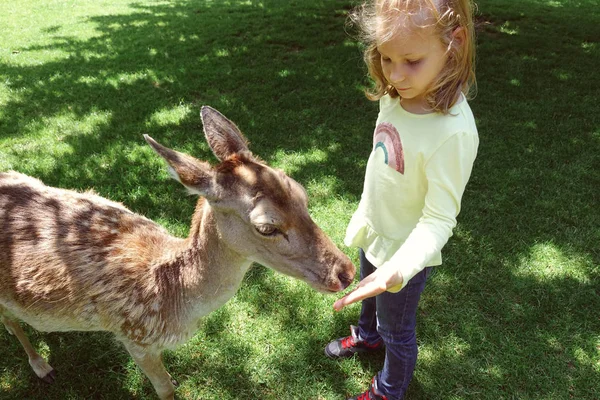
{"x":378,"y":282}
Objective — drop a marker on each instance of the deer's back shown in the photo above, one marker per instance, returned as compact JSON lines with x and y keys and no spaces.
{"x":72,"y":261}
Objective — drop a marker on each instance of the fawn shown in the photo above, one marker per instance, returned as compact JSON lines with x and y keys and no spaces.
{"x":77,"y":261}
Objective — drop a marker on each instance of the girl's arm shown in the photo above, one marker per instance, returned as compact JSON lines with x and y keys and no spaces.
{"x":447,"y":172}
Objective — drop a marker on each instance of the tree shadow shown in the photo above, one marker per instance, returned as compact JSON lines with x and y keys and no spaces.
{"x":88,"y":365}
{"x":164,"y":55}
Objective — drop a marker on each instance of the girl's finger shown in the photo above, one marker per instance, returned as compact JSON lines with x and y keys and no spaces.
{"x":362,"y":292}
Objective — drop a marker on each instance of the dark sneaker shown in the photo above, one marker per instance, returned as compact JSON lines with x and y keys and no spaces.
{"x":348,"y":346}
{"x":371,"y":394}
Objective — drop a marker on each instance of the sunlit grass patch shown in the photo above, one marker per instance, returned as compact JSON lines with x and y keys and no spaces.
{"x":547,"y":261}
{"x":171,"y":116}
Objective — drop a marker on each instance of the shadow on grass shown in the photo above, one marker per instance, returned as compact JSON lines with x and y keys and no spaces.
{"x":234,"y":57}
{"x":492,"y":326}
{"x":88,"y":365}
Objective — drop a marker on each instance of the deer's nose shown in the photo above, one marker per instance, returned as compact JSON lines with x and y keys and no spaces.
{"x":346,"y":279}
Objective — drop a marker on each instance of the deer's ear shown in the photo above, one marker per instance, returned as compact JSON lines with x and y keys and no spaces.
{"x":223,"y":136}
{"x":195,"y":175}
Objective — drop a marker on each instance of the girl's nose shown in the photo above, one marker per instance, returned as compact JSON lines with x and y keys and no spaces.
{"x":397,"y":75}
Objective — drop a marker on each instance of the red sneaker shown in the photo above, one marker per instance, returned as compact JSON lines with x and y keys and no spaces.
{"x":371,"y":394}
{"x":348,"y":346}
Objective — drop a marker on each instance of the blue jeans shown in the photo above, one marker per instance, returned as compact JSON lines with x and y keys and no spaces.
{"x":391,"y":317}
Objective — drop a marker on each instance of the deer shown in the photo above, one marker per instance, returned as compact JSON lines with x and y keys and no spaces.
{"x":76,"y":261}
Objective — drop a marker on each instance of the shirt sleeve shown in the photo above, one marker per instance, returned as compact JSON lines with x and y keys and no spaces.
{"x":447,"y":172}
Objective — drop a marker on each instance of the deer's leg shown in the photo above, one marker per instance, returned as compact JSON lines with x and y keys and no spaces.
{"x":41,"y":368}
{"x":151,"y":364}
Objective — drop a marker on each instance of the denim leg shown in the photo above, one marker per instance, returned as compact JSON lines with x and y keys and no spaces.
{"x":367,"y":322}
{"x":396,"y":323}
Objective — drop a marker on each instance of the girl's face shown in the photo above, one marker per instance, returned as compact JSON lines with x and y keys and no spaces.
{"x":411,"y":60}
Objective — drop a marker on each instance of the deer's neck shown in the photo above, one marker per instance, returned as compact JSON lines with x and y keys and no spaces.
{"x":210,"y":272}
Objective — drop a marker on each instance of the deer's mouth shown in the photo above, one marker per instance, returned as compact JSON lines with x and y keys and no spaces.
{"x":327,"y":285}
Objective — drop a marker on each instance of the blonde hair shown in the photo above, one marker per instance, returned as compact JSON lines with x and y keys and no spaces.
{"x":458,"y":75}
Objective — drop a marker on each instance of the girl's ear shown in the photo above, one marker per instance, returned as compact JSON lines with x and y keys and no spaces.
{"x":459,"y":36}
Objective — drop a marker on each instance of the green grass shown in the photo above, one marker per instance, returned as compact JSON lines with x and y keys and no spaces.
{"x":512,"y":314}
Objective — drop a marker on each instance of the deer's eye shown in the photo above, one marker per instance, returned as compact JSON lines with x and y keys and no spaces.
{"x":267,"y":230}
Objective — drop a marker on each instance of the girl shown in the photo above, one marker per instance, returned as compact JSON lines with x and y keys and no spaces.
{"x":420,"y":54}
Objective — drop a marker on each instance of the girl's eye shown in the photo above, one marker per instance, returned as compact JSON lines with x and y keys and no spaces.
{"x":413,"y":62}
{"x":267,"y":230}
{"x":385,"y":59}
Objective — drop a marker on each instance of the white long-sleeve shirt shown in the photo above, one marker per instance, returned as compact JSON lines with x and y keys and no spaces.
{"x":414,"y":182}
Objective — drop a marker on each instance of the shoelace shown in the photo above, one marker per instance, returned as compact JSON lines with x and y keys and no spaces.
{"x":348,"y":342}
{"x":364,"y":396}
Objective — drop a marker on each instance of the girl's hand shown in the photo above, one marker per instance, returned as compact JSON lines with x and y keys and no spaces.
{"x":378,"y":282}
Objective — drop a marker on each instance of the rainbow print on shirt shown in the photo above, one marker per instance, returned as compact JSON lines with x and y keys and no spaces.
{"x":387,"y":138}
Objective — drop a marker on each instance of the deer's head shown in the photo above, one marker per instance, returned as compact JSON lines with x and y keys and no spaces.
{"x":261,"y":212}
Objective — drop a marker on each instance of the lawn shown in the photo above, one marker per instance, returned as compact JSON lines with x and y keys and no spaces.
{"x":512,"y":314}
